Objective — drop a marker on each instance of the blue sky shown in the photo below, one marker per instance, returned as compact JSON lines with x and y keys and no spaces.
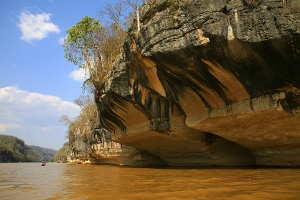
{"x":37,"y":84}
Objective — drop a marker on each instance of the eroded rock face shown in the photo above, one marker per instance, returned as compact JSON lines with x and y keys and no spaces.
{"x":210,"y":83}
{"x":113,"y":153}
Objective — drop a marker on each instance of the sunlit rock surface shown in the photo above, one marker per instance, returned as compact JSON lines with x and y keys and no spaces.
{"x":113,"y":153}
{"x":210,"y":83}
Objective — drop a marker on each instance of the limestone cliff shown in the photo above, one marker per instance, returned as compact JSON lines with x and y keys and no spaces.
{"x":210,"y":82}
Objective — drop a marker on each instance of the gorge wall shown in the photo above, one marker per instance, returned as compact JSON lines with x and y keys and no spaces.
{"x":209,"y":83}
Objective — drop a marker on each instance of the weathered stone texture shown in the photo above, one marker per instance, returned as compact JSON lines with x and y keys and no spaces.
{"x":210,"y":83}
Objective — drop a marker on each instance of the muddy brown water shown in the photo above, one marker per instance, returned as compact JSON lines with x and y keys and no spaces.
{"x":75,"y":181}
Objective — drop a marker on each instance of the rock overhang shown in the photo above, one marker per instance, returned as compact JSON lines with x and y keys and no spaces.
{"x":212,"y":69}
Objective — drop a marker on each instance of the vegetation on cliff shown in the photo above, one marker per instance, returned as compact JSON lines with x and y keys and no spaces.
{"x":13,"y":149}
{"x":62,"y":154}
{"x":95,"y":47}
{"x":80,"y":128}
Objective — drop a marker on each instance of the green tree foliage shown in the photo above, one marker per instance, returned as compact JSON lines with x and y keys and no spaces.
{"x":93,"y":47}
{"x":13,"y":149}
{"x":81,"y":47}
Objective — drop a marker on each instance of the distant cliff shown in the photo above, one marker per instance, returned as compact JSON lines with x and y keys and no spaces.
{"x":210,"y":83}
{"x":13,"y":149}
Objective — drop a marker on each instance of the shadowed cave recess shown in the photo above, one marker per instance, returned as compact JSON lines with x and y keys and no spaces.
{"x":207,"y":83}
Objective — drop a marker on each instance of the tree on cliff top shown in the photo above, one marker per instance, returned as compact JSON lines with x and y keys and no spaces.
{"x":81,"y":47}
{"x":121,"y":12}
{"x":94,"y":48}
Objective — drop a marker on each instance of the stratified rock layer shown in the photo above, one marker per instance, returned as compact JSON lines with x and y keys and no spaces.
{"x":210,"y":83}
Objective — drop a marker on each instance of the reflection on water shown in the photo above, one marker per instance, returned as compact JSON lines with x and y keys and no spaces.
{"x":71,"y":181}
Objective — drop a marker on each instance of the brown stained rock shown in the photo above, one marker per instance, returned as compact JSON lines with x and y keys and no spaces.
{"x":227,"y":68}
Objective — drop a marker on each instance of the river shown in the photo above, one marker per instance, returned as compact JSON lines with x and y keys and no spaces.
{"x":76,"y":181}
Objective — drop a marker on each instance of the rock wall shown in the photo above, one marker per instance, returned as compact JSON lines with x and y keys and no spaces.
{"x":113,"y":153}
{"x":210,"y":83}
